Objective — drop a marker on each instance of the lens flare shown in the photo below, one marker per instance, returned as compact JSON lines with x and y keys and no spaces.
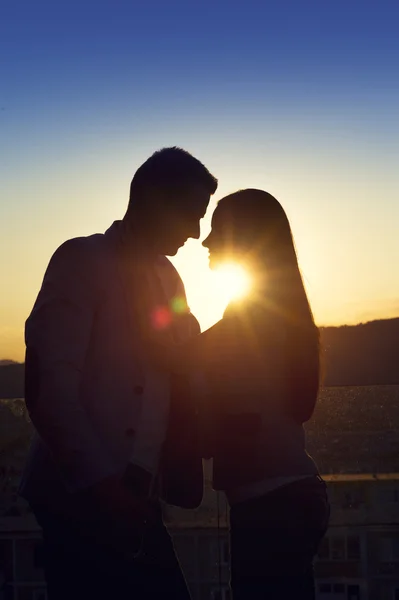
{"x":234,"y":281}
{"x":161,"y":317}
{"x":178,"y":305}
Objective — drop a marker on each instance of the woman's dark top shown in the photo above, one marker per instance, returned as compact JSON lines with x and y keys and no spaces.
{"x":256,"y":375}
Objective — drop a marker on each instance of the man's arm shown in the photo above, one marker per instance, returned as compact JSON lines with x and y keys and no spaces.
{"x":57,"y":338}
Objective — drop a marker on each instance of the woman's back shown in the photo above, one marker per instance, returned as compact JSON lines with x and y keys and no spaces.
{"x":262,"y":367}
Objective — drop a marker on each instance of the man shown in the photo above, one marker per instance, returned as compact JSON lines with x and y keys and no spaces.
{"x":114,"y":435}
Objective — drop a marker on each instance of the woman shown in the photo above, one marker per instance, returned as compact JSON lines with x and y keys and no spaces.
{"x":261,"y":368}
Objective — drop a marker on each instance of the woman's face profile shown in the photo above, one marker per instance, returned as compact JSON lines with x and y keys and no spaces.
{"x":229,"y":240}
{"x":220,"y":242}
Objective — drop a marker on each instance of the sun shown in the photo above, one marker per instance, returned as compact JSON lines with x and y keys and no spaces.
{"x":209,"y":291}
{"x":233,"y":281}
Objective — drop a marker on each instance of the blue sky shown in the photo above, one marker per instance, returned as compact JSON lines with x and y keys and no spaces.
{"x":297,"y":97}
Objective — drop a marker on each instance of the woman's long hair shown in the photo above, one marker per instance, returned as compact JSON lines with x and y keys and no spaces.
{"x":258,"y":224}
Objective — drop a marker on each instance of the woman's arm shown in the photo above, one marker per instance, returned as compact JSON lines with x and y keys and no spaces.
{"x":196,"y":354}
{"x":304,"y":372}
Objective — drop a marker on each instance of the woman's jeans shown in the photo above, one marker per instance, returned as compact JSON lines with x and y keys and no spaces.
{"x":274,"y":540}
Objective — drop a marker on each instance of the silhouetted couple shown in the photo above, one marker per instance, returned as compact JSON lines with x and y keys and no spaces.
{"x":127,"y":397}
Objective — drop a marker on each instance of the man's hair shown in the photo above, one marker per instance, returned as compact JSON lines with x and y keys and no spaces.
{"x":170,"y":170}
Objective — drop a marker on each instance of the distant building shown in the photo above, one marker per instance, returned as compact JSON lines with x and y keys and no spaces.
{"x":358,"y":560}
{"x":21,"y":559}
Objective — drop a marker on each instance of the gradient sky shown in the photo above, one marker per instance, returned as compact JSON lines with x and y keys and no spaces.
{"x":299,"y":98}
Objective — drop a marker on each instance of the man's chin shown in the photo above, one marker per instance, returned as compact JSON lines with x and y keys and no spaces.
{"x":173,"y":250}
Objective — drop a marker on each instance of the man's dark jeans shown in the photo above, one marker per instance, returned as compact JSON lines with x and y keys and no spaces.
{"x":79,"y":565}
{"x":274,"y":540}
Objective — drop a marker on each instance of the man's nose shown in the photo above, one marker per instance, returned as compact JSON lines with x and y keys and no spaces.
{"x":205,"y":243}
{"x":196,"y":232}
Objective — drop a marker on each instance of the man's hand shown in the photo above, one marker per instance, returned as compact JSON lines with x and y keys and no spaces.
{"x":112,"y":497}
{"x":123,"y":516}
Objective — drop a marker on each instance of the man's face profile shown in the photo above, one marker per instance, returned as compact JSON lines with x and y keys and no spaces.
{"x":179,"y":219}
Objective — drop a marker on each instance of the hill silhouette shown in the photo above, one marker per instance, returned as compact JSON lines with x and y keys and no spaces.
{"x":12,"y":380}
{"x":365,"y":354}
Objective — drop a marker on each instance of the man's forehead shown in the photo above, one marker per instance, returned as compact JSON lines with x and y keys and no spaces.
{"x":196,"y":199}
{"x":199,"y":193}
